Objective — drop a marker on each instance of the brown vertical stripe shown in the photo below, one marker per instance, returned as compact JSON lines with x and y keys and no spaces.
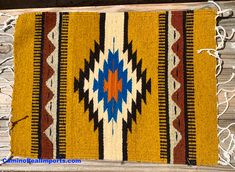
{"x":47,"y":72}
{"x":178,"y":96}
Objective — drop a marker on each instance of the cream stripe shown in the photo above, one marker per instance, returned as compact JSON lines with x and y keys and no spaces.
{"x":114,"y":33}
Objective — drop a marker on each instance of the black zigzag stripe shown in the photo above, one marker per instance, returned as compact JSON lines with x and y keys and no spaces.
{"x":136,"y":106}
{"x":79,"y":85}
{"x":146,"y":84}
{"x":129,"y":121}
{"x":84,"y":75}
{"x":84,"y":95}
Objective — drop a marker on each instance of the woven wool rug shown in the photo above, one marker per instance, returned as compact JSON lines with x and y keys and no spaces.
{"x":116,"y":86}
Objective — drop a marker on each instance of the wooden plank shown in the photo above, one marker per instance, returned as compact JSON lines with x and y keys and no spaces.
{"x":5,"y":48}
{"x":229,"y":50}
{"x":226,"y":143}
{"x":122,"y":8}
{"x":227,"y":5}
{"x":116,"y":8}
{"x":15,"y":4}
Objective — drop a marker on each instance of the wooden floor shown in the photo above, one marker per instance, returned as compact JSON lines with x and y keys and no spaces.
{"x":228,"y":55}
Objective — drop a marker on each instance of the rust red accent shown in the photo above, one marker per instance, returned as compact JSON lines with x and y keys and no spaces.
{"x":46,"y":93}
{"x":178,"y":96}
{"x":113,"y":85}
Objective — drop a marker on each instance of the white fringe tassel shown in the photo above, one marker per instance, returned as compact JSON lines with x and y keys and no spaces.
{"x":6,"y":31}
{"x":226,"y":154}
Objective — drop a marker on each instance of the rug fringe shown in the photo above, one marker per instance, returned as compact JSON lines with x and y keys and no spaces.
{"x":8,"y":23}
{"x":222,"y":37}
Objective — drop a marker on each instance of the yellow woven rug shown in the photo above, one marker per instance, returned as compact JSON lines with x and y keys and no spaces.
{"x":116,"y":86}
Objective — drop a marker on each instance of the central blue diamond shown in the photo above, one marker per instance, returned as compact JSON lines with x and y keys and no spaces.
{"x":112,"y":85}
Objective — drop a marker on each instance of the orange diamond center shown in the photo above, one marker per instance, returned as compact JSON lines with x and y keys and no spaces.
{"x":113,"y":85}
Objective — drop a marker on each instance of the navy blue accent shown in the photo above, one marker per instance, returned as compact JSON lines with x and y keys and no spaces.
{"x":112,"y":65}
{"x":84,"y":95}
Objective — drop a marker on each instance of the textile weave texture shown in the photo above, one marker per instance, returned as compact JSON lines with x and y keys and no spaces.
{"x":116,"y":86}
